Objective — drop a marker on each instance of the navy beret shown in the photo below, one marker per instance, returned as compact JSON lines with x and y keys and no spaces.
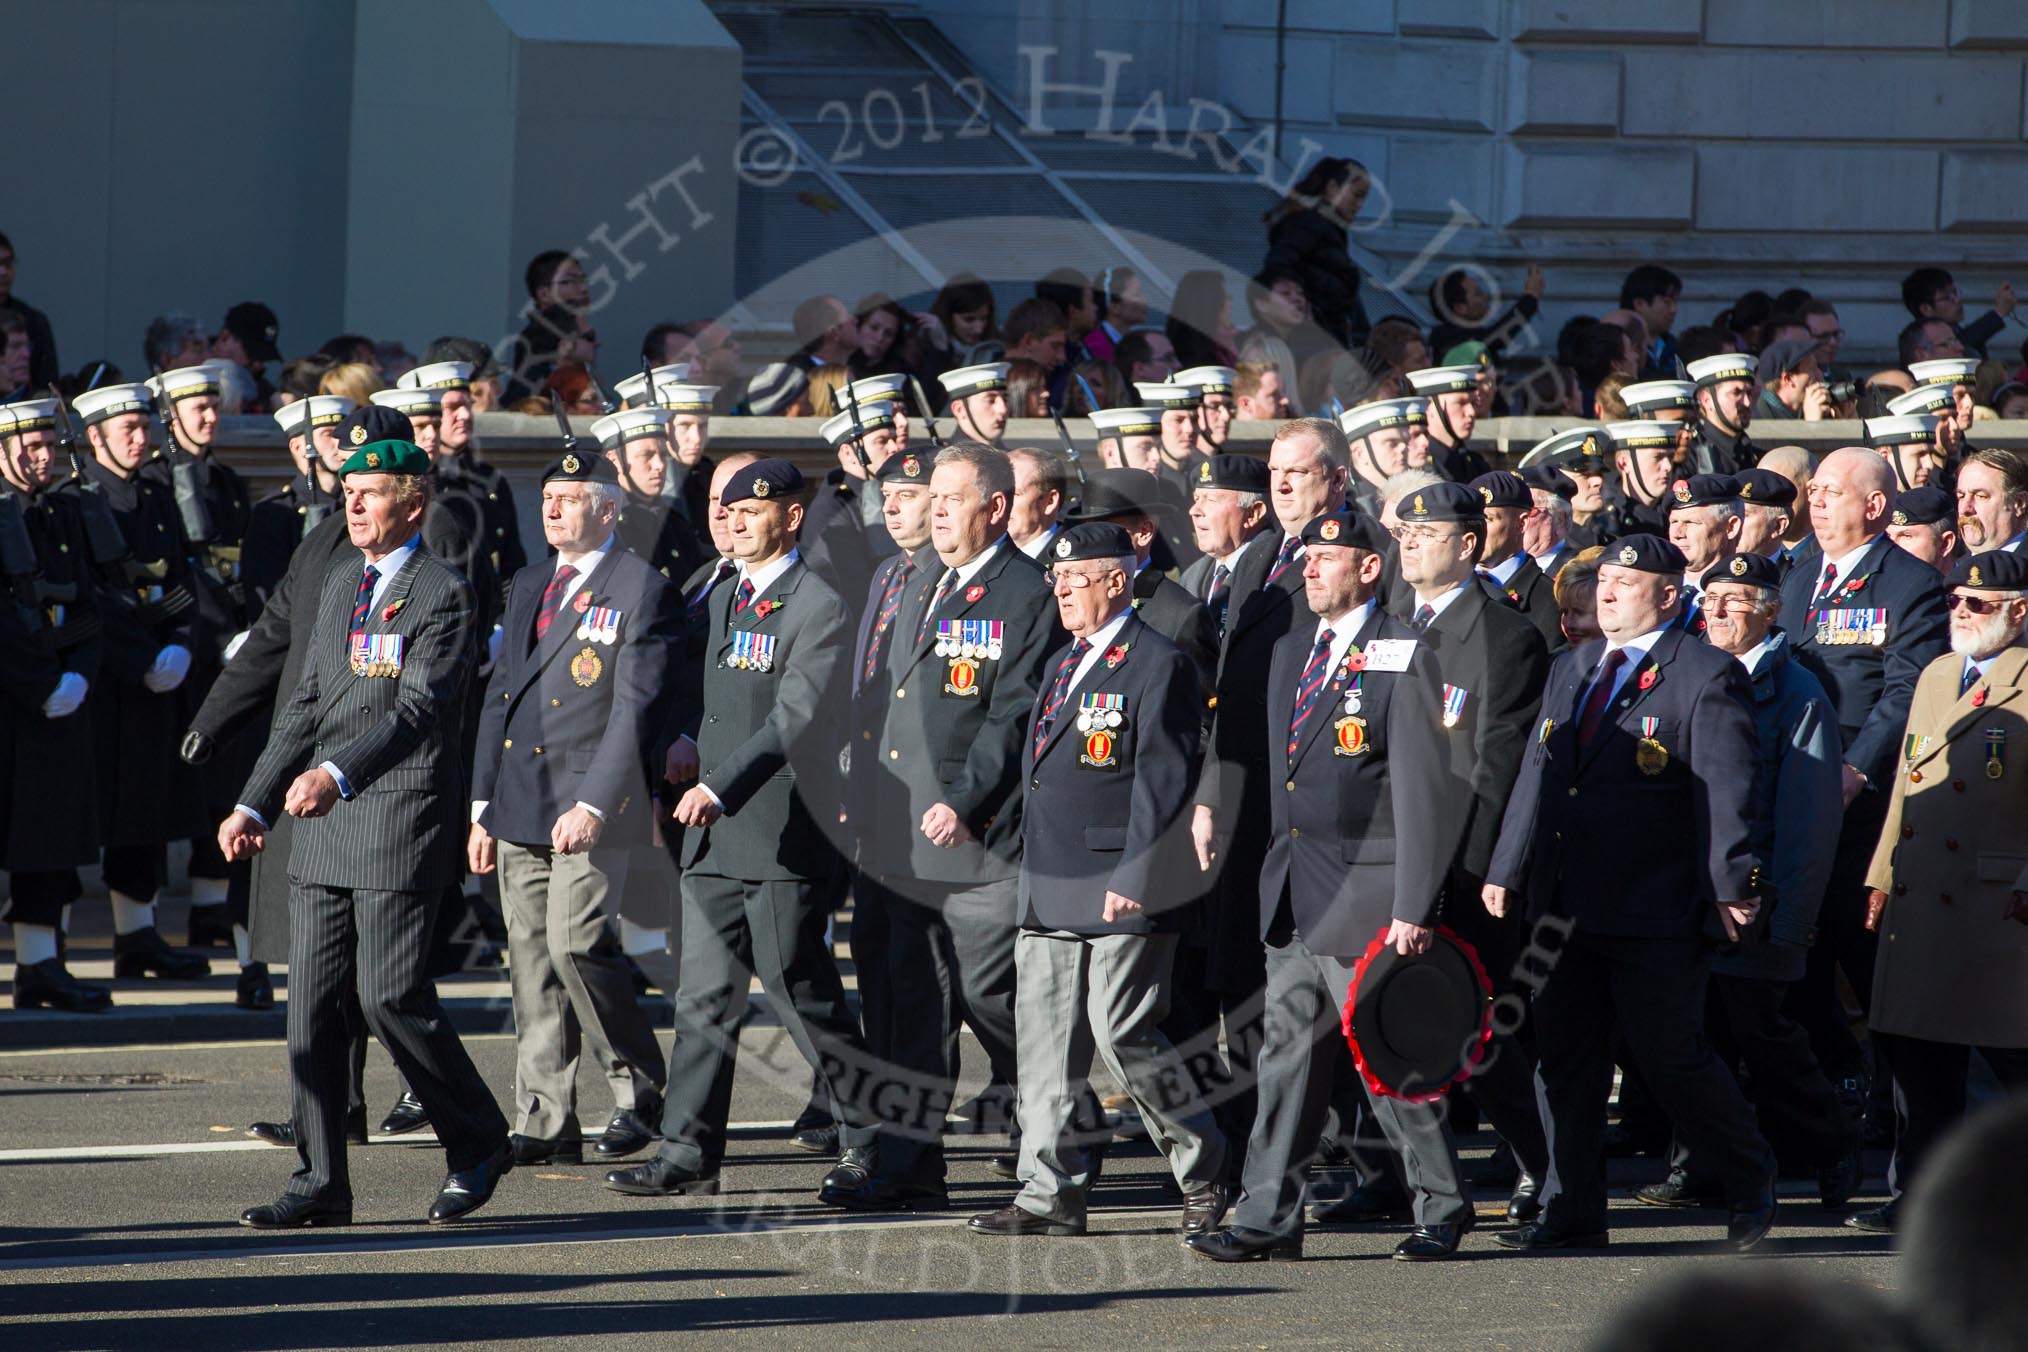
{"x":903,"y":467}
{"x":1924,"y":506}
{"x":1442,"y":502}
{"x":1241,"y":473}
{"x":374,"y":422}
{"x":1503,"y":488}
{"x":1091,"y":540}
{"x":1755,"y":570}
{"x":762,"y":479}
{"x":1703,"y":490}
{"x":578,"y":468}
{"x":1765,"y":488}
{"x":1995,"y":570}
{"x":1347,"y":526}
{"x":1646,"y":554}
{"x":1549,"y":479}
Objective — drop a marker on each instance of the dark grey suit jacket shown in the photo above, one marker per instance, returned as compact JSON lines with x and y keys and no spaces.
{"x":396,"y":738}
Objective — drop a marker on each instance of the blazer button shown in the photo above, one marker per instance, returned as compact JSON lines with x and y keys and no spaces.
{"x":1295,"y":833}
{"x":556,"y":704}
{"x":538,"y":750}
{"x":1290,"y":786}
{"x":901,"y":693}
{"x":867,"y":736}
{"x":894,"y":755}
{"x":1573,"y":791}
{"x":509,"y":744}
{"x":1908,"y":833}
{"x":1901,"y":889}
{"x":1034,"y":783}
{"x":1957,"y":784}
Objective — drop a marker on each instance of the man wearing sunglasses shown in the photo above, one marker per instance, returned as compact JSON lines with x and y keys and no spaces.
{"x":1948,"y":884}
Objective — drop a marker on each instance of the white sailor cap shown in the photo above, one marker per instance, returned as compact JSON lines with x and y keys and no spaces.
{"x":877,"y":390}
{"x":969,"y":380}
{"x":1127,"y":422}
{"x":110,"y":401}
{"x":682,"y":398}
{"x":438,"y":375}
{"x":872,"y":418}
{"x":632,"y":424}
{"x":412,"y":401}
{"x":1945,"y":371}
{"x":1444,"y":379}
{"x":1924,"y":399}
{"x":1642,"y":436}
{"x":1650,"y":395}
{"x":27,"y":415}
{"x":328,"y":410}
{"x":1208,"y":379}
{"x":1169,"y":395}
{"x":293,"y":417}
{"x":1721,"y":366}
{"x":634,"y":389}
{"x":1903,"y":429}
{"x":187,"y":382}
{"x":1578,"y":443}
{"x":1363,"y":419}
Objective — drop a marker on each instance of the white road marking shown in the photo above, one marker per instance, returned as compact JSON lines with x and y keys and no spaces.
{"x":89,"y":1153}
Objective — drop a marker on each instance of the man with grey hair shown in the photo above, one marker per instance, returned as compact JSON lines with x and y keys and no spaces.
{"x":1704,"y":522}
{"x":584,"y":687}
{"x":1545,"y":532}
{"x":175,"y":340}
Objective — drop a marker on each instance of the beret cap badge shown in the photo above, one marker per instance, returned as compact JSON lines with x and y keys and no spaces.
{"x":1973,"y":579}
{"x":761,"y":488}
{"x":570,"y":464}
{"x":1329,"y":530}
{"x":359,"y":436}
{"x":1739,"y":567}
{"x":1627,"y":555}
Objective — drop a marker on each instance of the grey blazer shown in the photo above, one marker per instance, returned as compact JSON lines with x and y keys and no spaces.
{"x":395,"y":738}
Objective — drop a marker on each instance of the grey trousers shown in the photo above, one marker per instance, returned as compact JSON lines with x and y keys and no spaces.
{"x":572,"y":990}
{"x":1300,"y":1049}
{"x":1073,"y":992}
{"x":340,"y":938}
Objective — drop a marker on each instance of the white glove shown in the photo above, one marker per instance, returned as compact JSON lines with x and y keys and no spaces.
{"x":172,"y":664}
{"x":238,"y":642}
{"x":64,"y":700}
{"x":493,"y":642}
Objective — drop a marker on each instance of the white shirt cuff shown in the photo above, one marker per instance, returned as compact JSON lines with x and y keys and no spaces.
{"x":478,"y":810}
{"x":714,"y":795}
{"x":589,"y":808}
{"x":344,"y":786}
{"x":258,"y":819}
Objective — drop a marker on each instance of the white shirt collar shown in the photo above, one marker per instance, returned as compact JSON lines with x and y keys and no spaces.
{"x":971,"y":569}
{"x":395,"y":560}
{"x":1845,"y":564}
{"x":1344,"y":630}
{"x":1442,"y":603}
{"x":1102,"y":638}
{"x":587,"y":561}
{"x":768,"y":576}
{"x":1750,"y":659}
{"x":1503,"y":572}
{"x":1033,"y":549}
{"x":1636,"y":649}
{"x":1231,"y":561}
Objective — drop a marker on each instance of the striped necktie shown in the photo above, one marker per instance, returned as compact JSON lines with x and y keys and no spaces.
{"x":936,"y":603}
{"x":1313,"y":678}
{"x":552,"y":597}
{"x":742,"y":596}
{"x":1285,"y":556}
{"x":890,"y":605}
{"x":363,"y":602}
{"x":1059,"y":691}
{"x":701,"y":601}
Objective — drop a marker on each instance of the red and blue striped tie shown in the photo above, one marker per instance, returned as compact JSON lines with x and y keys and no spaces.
{"x":363,"y":603}
{"x":1314,"y":676}
{"x":1285,"y":556}
{"x":552,"y":597}
{"x":1059,"y":691}
{"x":890,"y":606}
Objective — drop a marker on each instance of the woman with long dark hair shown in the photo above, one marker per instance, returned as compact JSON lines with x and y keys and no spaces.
{"x":962,"y":327}
{"x":1307,"y":232}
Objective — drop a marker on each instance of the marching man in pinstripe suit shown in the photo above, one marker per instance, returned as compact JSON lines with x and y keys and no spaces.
{"x":382,"y":817}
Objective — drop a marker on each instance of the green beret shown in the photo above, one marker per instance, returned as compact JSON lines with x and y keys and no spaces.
{"x":386,"y":457}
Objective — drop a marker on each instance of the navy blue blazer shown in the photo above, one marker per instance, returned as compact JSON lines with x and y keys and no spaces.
{"x":1640,"y":833}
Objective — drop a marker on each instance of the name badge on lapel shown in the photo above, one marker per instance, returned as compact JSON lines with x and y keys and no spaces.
{"x":1389,"y":654}
{"x":752,"y":651}
{"x":601,"y":624}
{"x":376,"y":654}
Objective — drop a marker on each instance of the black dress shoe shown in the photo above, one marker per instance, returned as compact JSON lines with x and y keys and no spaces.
{"x":291,"y":1212}
{"x":1013,"y":1220}
{"x":1525,"y":1203}
{"x":1546,"y":1235}
{"x":469,"y":1189}
{"x":284,"y":1133}
{"x":406,"y":1116}
{"x":1204,"y":1209}
{"x":659,"y":1178}
{"x":1362,"y":1206}
{"x":816,"y":1140}
{"x":1748,"y":1226}
{"x":254,"y":990}
{"x":210,"y":927}
{"x":1678,"y":1190}
{"x":628,"y":1131}
{"x":851,"y":1172}
{"x":536,"y":1150}
{"x":878,"y":1194}
{"x":143,"y":953}
{"x":1240,"y":1245}
{"x":1837,"y":1182}
{"x":1429,"y":1242}
{"x":1881,"y":1220}
{"x":49,"y":985}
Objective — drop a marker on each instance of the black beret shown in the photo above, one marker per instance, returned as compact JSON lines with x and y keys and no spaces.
{"x":903,"y":467}
{"x":1924,"y":506}
{"x":1703,"y":490}
{"x":1549,"y":479}
{"x":1241,"y":473}
{"x":1091,"y":540}
{"x":1118,"y":492}
{"x":1646,"y":554}
{"x":579,"y":468}
{"x":1995,"y":570}
{"x":1442,"y":502}
{"x":762,"y":479}
{"x":1765,"y":488}
{"x":1503,"y":488}
{"x":1347,"y":526}
{"x":1755,"y":570}
{"x":374,"y":422}
{"x":1584,"y":464}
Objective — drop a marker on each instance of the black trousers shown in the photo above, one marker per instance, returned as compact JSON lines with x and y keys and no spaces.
{"x":1843,"y":942}
{"x":1792,"y":1100}
{"x":1228,"y":1080}
{"x":1652,"y":990}
{"x":137,"y":871}
{"x":373,"y":944}
{"x":1929,"y":1094}
{"x":38,"y":897}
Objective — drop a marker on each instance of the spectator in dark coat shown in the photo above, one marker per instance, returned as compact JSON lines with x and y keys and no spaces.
{"x":1307,"y":232}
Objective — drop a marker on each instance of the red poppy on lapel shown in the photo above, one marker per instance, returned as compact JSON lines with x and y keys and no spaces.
{"x":1856,"y":584}
{"x":1979,"y":698}
{"x":763,"y":609}
{"x":1355,"y":661}
{"x":1115,"y":654}
{"x":389,"y":612}
{"x":1648,"y":678}
{"x":581,"y":602}
{"x":973,"y":593}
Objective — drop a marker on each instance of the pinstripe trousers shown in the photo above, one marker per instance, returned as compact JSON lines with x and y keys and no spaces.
{"x":378,"y":943}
